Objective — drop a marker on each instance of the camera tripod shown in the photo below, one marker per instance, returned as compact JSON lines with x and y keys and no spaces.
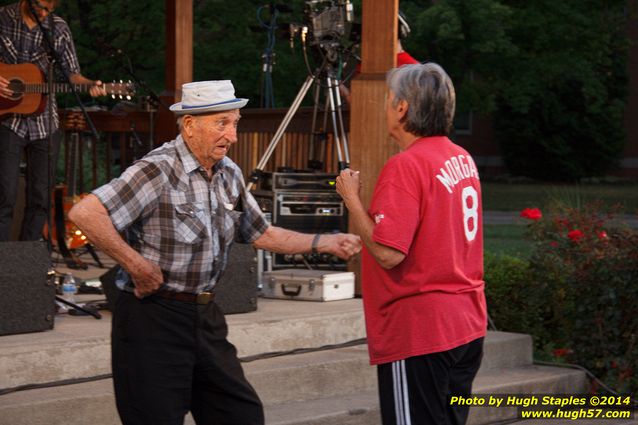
{"x":324,"y":77}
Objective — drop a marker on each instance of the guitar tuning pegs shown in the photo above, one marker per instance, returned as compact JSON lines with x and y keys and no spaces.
{"x":113,"y":96}
{"x":121,"y":97}
{"x":128,"y":97}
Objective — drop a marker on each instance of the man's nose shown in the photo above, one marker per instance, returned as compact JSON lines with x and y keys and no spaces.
{"x":231,"y":134}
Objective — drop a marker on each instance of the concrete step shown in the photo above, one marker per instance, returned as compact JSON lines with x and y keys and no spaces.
{"x":523,"y":380}
{"x":347,"y":370}
{"x":312,"y":375}
{"x":503,"y":350}
{"x":362,"y":408}
{"x":79,"y":404}
{"x":80,"y":346}
{"x":324,"y":402}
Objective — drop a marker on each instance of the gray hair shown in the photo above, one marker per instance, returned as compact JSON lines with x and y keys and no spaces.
{"x":180,"y":123}
{"x":430,"y":96}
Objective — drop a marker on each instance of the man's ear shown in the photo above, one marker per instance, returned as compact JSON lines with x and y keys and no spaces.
{"x":187,"y":125}
{"x":402,"y":110}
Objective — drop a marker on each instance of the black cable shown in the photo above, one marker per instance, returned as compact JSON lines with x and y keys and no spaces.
{"x":352,"y":343}
{"x":53,"y":384}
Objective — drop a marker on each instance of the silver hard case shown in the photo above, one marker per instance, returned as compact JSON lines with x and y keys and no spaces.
{"x":308,"y":285}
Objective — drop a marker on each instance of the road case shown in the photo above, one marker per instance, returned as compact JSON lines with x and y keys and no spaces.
{"x":308,"y":285}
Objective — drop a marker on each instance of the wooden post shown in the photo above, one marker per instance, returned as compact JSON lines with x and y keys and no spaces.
{"x":370,"y":146}
{"x":179,"y":64}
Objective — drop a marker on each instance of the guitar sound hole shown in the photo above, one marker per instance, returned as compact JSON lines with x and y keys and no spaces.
{"x":17,"y":87}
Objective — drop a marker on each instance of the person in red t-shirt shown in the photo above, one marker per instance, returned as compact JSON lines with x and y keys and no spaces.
{"x":403,"y":57}
{"x":422,"y":266}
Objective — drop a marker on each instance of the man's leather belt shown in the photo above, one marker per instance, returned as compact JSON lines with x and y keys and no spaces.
{"x":201,"y":298}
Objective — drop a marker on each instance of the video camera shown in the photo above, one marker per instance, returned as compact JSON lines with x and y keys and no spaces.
{"x":328,"y":21}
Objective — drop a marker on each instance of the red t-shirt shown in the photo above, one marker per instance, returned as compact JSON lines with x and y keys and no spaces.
{"x":404,"y":58}
{"x":426,"y":204}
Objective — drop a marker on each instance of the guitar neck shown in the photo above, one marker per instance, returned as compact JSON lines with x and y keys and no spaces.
{"x":60,"y":88}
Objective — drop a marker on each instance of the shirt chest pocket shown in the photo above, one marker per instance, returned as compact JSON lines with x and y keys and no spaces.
{"x":189,"y":223}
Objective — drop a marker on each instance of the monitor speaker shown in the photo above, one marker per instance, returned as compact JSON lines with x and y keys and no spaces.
{"x":236,"y":291}
{"x":27,"y":303}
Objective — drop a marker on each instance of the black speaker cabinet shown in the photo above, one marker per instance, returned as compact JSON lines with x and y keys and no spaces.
{"x":236,"y":291}
{"x":27,"y":297}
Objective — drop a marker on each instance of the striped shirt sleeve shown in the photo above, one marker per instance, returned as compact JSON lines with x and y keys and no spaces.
{"x":66,"y":48}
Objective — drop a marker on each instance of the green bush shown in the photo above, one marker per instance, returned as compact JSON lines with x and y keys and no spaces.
{"x":576,"y":295}
{"x":590,"y":269}
{"x":506,"y":287}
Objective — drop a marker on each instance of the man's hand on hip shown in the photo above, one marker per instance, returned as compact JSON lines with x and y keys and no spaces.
{"x":147,"y":278}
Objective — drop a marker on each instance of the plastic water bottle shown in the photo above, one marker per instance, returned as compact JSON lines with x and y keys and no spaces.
{"x":68,"y":288}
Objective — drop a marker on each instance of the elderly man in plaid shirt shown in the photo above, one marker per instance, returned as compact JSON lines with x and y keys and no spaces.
{"x":182,"y":206}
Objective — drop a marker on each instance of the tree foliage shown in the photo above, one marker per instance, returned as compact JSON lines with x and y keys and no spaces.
{"x":553,"y":75}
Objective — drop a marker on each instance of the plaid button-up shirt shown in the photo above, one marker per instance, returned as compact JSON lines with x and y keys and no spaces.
{"x":179,"y":219}
{"x":19,"y":44}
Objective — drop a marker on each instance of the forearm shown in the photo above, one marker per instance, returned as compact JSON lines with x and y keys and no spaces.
{"x":93,"y":219}
{"x":283,"y":241}
{"x":362,"y":225}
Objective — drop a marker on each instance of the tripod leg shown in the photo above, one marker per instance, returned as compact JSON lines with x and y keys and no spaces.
{"x":280,"y":131}
{"x":344,"y":135}
{"x":313,"y":162}
{"x":333,"y":115}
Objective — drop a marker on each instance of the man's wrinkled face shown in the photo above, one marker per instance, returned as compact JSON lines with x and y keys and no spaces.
{"x":210,"y":136}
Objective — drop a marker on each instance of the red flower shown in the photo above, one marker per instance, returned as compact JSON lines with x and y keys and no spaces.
{"x":602,"y":235}
{"x":561,"y":352}
{"x":532,"y":213}
{"x":575,"y":235}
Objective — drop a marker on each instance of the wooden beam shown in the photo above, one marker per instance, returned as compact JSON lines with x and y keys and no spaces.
{"x":370,"y":146}
{"x":179,"y":62}
{"x":379,"y":19}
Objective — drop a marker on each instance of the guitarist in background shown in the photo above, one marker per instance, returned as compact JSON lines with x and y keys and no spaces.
{"x":21,"y":41}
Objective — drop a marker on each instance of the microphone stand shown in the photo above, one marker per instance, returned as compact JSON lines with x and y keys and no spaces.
{"x":113,"y":52}
{"x":53,"y":61}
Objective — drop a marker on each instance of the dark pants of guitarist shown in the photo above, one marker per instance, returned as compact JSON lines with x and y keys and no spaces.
{"x":38,"y":192}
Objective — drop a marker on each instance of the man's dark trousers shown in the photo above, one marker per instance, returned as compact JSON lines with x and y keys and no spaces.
{"x":170,"y":357}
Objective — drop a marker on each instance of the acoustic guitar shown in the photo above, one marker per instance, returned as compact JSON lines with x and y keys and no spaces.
{"x":30,"y":89}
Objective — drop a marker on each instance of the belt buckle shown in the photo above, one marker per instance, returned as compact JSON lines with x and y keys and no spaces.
{"x":204,"y":297}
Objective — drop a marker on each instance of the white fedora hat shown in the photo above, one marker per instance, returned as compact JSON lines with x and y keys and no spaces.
{"x":207,"y":96}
